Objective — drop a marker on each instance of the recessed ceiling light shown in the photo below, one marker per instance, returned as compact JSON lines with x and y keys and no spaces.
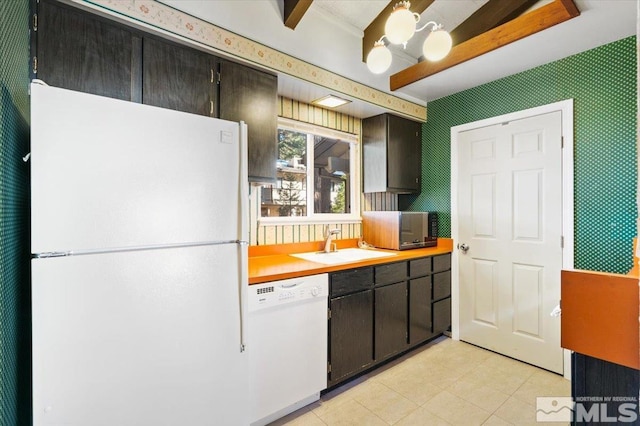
{"x":330,"y":101}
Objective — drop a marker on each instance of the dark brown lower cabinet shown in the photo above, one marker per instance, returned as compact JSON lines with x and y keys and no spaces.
{"x":441,"y":285}
{"x":377,"y":313}
{"x":419,"y":310}
{"x":603,"y":392}
{"x":441,"y":315}
{"x":350,"y":335}
{"x":390,"y":320}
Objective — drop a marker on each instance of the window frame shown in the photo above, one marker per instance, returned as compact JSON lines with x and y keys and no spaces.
{"x":354,"y":177}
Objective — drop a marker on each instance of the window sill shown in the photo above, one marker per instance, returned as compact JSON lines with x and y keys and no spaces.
{"x":267,"y":221}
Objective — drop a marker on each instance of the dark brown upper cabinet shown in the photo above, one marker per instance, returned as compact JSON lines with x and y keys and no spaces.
{"x":79,"y":51}
{"x":392,"y":154}
{"x":250,"y":95}
{"x":179,"y":78}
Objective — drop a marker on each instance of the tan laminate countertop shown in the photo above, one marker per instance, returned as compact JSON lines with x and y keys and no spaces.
{"x":270,"y":263}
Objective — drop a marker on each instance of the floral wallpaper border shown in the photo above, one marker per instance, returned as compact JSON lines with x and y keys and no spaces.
{"x":166,"y":18}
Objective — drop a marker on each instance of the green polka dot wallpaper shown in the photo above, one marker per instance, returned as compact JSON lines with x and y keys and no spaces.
{"x":15,"y":321}
{"x":603,"y":84}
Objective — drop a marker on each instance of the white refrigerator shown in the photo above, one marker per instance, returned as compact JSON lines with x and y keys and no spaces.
{"x":139,"y":264}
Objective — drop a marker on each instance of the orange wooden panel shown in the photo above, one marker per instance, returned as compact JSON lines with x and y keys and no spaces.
{"x":381,"y":229}
{"x":294,"y":10}
{"x":600,"y":316}
{"x":523,"y":26}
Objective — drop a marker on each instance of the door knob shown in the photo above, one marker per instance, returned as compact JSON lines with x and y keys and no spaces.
{"x":463,"y":247}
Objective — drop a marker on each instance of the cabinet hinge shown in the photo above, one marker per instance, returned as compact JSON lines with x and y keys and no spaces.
{"x":561,"y":141}
{"x":561,"y":241}
{"x":218,"y":77}
{"x":35,"y":22}
{"x":328,"y":367}
{"x":35,"y":65}
{"x":328,"y":313}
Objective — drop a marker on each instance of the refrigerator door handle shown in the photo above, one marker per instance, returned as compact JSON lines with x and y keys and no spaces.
{"x":243,"y":291}
{"x":243,"y":222}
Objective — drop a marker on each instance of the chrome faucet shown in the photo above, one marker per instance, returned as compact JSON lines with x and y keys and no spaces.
{"x":329,"y":233}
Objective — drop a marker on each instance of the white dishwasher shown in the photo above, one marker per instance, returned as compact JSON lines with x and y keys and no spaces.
{"x":287,"y":345}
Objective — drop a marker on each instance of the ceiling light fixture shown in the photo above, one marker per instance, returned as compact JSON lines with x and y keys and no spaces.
{"x":399,"y":28}
{"x":330,"y":101}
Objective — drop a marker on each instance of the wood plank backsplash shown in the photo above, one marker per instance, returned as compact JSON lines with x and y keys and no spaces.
{"x":300,"y":111}
{"x":379,"y":201}
{"x":283,"y":234}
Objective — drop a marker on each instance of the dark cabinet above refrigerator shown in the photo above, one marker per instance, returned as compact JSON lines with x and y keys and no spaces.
{"x":78,"y":50}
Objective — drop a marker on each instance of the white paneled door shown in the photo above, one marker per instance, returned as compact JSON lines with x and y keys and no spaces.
{"x":510,"y":229}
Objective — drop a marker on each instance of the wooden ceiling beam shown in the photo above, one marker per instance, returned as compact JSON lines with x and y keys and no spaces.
{"x":520,"y":27}
{"x":294,"y":10}
{"x":489,"y":16}
{"x":375,"y":30}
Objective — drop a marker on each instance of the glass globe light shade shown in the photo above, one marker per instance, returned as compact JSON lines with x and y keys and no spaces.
{"x":401,"y":25}
{"x":437,"y":45}
{"x":379,"y":59}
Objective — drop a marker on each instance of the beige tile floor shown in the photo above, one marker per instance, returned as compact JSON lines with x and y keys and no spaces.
{"x":443,"y":383}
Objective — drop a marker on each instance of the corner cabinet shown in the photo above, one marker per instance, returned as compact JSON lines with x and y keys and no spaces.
{"x":377,"y":313}
{"x":251,"y":95}
{"x":391,"y":154}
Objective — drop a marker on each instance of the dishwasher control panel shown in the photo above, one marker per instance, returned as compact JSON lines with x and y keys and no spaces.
{"x":277,"y":293}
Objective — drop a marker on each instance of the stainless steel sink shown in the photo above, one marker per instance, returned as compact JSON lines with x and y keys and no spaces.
{"x":342,"y":256}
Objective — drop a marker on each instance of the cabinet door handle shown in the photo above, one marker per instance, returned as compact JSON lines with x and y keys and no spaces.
{"x":210,"y":107}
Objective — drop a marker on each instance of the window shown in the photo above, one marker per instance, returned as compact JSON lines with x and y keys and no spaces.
{"x":316,"y":174}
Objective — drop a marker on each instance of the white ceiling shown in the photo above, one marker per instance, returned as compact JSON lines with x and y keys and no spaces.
{"x":330,"y":36}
